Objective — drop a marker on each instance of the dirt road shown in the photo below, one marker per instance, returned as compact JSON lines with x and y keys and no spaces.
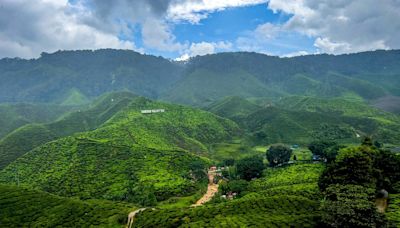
{"x":212,"y":189}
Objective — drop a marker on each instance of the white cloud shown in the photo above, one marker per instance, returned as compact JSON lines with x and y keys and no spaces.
{"x":272,"y":39}
{"x":204,"y":48}
{"x":28,"y":28}
{"x":344,"y":26}
{"x":297,"y":53}
{"x":196,"y":10}
{"x":157,"y":35}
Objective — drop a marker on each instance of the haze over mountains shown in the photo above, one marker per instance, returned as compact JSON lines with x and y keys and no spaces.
{"x":79,"y":76}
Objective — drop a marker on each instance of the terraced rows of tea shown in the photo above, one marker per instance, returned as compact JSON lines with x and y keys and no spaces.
{"x":21,"y":207}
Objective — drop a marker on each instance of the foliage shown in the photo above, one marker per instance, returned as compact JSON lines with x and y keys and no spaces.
{"x":290,"y":211}
{"x":354,"y":165}
{"x":26,"y":138}
{"x":306,"y":175}
{"x":128,"y":155}
{"x":22,"y":207}
{"x":325,"y":149}
{"x":301,"y":120}
{"x":278,"y":154}
{"x":250,"y":167}
{"x":393,"y":212}
{"x":350,"y":206}
{"x":237,"y":186}
{"x":201,"y":81}
{"x":232,"y":107}
{"x":13,"y":116}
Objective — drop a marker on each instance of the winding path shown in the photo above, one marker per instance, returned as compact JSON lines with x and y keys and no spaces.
{"x":212,"y":189}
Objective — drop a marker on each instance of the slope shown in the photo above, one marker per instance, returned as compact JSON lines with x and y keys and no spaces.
{"x":201,"y":87}
{"x":232,"y":107}
{"x":13,"y":116}
{"x":21,"y":207}
{"x":30,"y":136}
{"x":304,"y":119}
{"x":51,"y":77}
{"x":88,"y":74}
{"x":271,"y":201}
{"x":132,"y":157}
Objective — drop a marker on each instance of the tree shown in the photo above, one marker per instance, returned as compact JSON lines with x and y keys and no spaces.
{"x":278,"y":154}
{"x":325,"y":149}
{"x":237,"y":186}
{"x":250,"y":167}
{"x":353,"y":166}
{"x":350,"y":206}
{"x":387,"y":165}
{"x":228,"y":162}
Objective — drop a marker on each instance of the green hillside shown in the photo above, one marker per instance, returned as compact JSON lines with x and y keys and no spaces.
{"x":133,"y":157}
{"x":271,"y":201}
{"x":301,"y":120}
{"x":30,"y":136}
{"x":22,"y":207}
{"x":202,"y":87}
{"x":72,"y":77}
{"x":232,"y":107}
{"x":13,"y":116}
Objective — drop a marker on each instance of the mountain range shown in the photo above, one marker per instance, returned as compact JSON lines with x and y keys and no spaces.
{"x":74,"y":77}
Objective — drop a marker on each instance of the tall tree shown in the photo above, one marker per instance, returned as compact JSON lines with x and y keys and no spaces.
{"x":278,"y":154}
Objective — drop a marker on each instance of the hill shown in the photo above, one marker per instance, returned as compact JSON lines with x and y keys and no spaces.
{"x":77,"y":76}
{"x":303,"y":119}
{"x":284,"y":197}
{"x":13,"y":116}
{"x":142,"y":158}
{"x":388,"y":103}
{"x":201,"y":87}
{"x":22,"y":207}
{"x":27,"y":137}
{"x":232,"y":107}
{"x":65,"y":76}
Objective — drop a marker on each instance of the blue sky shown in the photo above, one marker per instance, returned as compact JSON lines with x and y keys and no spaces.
{"x":186,"y":28}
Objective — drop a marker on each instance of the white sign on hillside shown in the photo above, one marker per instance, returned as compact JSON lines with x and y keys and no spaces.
{"x":152,"y":111}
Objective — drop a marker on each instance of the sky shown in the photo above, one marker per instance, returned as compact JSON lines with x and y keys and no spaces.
{"x":180,"y":29}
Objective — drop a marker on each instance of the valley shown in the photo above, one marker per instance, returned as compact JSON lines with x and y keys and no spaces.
{"x":226,"y":140}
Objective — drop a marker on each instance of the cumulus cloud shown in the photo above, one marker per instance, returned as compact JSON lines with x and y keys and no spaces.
{"x":196,"y":10}
{"x":344,"y":26}
{"x":28,"y":28}
{"x":204,"y":48}
{"x":272,"y":39}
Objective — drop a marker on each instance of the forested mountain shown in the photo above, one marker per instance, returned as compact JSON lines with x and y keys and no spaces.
{"x":80,"y":75}
{"x":55,"y":77}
